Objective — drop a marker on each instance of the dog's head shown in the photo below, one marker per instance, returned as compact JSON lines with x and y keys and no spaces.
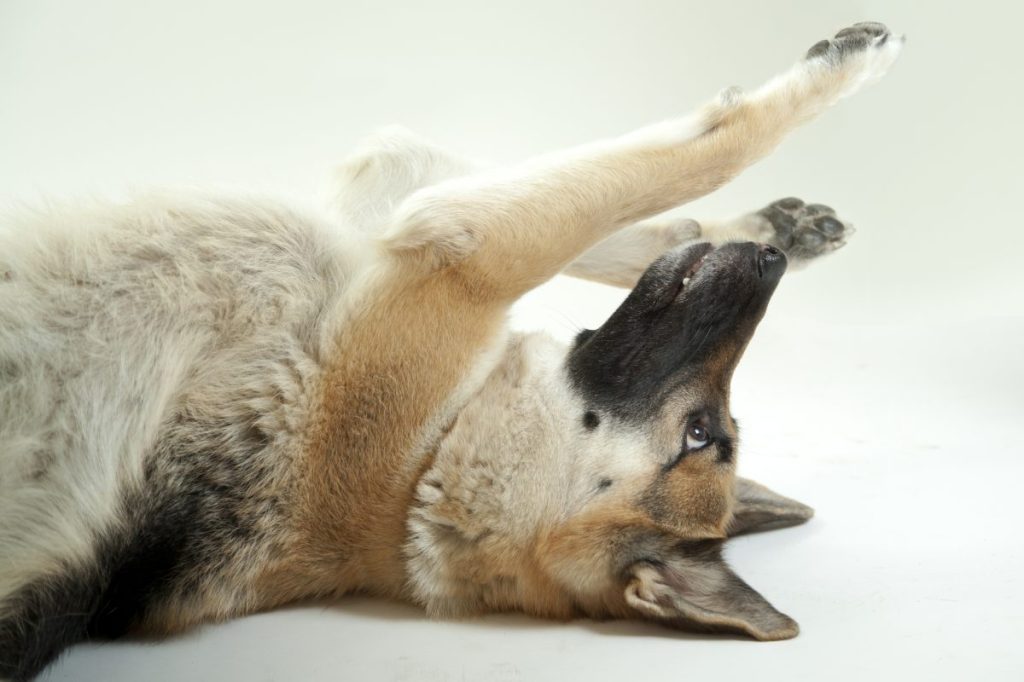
{"x":662,"y":364}
{"x":658,"y":373}
{"x":610,"y":493}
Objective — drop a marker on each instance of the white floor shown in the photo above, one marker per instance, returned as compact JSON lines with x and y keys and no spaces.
{"x":906,"y":440}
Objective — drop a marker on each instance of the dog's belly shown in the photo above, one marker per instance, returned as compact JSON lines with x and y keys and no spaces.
{"x":156,"y":365}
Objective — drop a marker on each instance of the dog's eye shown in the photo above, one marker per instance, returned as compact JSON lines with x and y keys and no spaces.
{"x":696,"y":437}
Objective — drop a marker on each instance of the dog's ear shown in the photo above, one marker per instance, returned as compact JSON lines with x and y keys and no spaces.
{"x":757,"y":508}
{"x":695,"y":589}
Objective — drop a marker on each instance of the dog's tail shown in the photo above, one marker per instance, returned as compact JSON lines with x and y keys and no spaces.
{"x":44,"y":618}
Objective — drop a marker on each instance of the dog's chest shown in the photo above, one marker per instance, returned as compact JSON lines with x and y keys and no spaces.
{"x":399,"y":370}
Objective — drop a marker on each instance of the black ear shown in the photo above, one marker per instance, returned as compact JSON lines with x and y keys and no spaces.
{"x":757,"y":508}
{"x":695,"y":587}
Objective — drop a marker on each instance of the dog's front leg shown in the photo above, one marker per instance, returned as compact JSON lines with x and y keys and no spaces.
{"x":509,"y":232}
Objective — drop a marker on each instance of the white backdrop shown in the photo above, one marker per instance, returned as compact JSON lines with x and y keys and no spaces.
{"x":884,"y":386}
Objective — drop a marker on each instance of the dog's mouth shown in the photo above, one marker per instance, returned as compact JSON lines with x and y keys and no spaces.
{"x":692,"y":260}
{"x":767,"y":261}
{"x":696,"y":261}
{"x":692,"y":269}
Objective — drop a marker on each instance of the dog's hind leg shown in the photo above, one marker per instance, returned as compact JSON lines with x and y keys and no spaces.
{"x":509,"y":232}
{"x":385,"y":169}
{"x":620,"y":259}
{"x":804,"y":231}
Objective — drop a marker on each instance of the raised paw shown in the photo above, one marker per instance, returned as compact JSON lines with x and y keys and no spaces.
{"x":851,"y":40}
{"x":804,"y":231}
{"x":856,"y":56}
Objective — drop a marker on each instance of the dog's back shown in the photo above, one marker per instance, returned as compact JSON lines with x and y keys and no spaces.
{"x":154,"y":360}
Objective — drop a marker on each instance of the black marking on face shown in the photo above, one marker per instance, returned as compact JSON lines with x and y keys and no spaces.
{"x":604,"y":484}
{"x":591,"y":420}
{"x":667,"y":335}
{"x":726,"y":450}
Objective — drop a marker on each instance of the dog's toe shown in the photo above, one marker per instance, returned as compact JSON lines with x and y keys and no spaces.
{"x":851,"y":40}
{"x":803,"y":230}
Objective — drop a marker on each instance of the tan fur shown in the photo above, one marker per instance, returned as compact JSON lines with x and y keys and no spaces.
{"x":379,"y":395}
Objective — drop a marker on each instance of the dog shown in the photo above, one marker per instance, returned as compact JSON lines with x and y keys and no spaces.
{"x":214,"y":406}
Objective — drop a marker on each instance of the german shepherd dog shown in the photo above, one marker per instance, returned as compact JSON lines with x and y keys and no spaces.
{"x":210,"y":407}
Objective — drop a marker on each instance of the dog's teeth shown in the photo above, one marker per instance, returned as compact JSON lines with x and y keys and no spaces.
{"x":686,"y":280}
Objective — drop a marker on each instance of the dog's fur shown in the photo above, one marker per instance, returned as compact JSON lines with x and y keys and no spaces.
{"x":210,"y":407}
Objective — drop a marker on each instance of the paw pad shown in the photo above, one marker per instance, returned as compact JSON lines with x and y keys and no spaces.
{"x":805,"y":231}
{"x":851,"y":39}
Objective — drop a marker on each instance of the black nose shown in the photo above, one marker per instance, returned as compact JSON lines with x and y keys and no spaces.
{"x":771,"y":262}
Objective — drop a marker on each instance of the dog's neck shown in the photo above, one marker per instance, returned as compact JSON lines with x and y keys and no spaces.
{"x":494,"y":477}
{"x":515,"y":463}
{"x":498,"y":464}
